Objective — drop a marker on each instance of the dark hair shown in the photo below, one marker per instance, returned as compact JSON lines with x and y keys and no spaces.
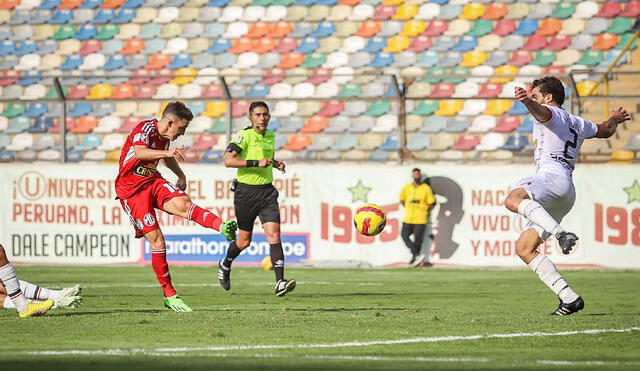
{"x":179,"y":110}
{"x":415,"y":169}
{"x":550,"y":85}
{"x":256,"y":105}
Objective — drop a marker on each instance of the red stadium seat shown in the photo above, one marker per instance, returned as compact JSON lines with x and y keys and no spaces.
{"x":507,"y":124}
{"x":521,"y":57}
{"x":466,"y":142}
{"x":610,"y":9}
{"x":535,"y":42}
{"x":331,"y":108}
{"x":490,"y":90}
{"x":504,"y":27}
{"x":559,"y":42}
{"x":436,"y":27}
{"x":384,"y":12}
{"x":443,"y":90}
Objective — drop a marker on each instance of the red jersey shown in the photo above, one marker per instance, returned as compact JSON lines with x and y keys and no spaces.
{"x":135,"y":174}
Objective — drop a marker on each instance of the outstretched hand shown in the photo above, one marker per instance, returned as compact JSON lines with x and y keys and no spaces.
{"x":620,"y":115}
{"x":521,"y":94}
{"x":176,"y":153}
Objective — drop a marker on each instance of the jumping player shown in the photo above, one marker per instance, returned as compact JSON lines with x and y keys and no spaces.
{"x":141,"y":189}
{"x":545,"y":198}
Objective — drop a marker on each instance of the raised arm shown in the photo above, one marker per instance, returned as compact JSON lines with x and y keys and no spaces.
{"x":537,"y":110}
{"x":607,"y":128}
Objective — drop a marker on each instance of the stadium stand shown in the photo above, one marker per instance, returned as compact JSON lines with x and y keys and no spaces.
{"x":326,"y":68}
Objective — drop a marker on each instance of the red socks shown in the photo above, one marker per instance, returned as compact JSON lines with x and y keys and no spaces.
{"x":204,"y":217}
{"x":160,"y":266}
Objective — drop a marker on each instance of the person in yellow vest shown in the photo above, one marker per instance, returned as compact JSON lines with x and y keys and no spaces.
{"x":417,"y":199}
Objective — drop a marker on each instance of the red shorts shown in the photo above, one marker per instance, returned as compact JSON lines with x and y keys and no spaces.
{"x":141,"y":205}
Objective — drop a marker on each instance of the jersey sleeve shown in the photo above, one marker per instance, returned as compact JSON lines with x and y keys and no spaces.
{"x":239,"y":142}
{"x":556,"y":115}
{"x":429,"y":198}
{"x":140,"y":138}
{"x":586,"y":128}
{"x":403,"y":194}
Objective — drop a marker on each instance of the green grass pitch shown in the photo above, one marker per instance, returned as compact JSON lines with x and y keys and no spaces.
{"x":369,"y":319}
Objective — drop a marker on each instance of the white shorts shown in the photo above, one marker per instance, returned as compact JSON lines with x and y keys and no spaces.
{"x":554,"y":192}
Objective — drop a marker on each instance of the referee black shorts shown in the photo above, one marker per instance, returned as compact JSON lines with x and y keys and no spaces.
{"x":251,"y":201}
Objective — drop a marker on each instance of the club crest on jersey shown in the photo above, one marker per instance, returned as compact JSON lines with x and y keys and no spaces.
{"x":149,"y":220}
{"x":142,"y":137}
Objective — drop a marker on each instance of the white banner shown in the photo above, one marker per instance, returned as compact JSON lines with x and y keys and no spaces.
{"x":68,"y":214}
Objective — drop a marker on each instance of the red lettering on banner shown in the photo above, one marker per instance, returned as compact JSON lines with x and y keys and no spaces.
{"x":491,"y":222}
{"x":50,"y":214}
{"x":488,"y":197}
{"x":621,"y":225}
{"x":112,"y":216}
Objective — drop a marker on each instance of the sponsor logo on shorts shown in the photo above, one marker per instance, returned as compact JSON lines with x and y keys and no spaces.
{"x":139,"y":224}
{"x":149,"y":220}
{"x":144,"y":170}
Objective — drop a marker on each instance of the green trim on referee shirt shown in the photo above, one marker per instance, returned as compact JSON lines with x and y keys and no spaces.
{"x":255,"y":147}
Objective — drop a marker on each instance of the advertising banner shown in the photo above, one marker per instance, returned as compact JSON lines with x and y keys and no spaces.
{"x":68,"y":214}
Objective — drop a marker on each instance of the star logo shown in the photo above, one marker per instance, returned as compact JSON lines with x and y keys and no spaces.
{"x":633,"y":192}
{"x":359,"y":192}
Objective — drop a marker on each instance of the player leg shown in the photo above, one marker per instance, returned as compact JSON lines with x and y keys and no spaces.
{"x":246,"y":203}
{"x":418,"y":237}
{"x":270,"y":218}
{"x":155,"y":238}
{"x":68,"y":297}
{"x":528,"y":199}
{"x":526,"y":248}
{"x":406,"y":232}
{"x":10,"y":281}
{"x":177,"y":202}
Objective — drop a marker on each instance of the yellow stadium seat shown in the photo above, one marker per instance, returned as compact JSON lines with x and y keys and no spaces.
{"x":472,"y":11}
{"x":504,"y":71}
{"x":393,"y":2}
{"x":114,"y":155}
{"x":162,"y":107}
{"x":449,"y":107}
{"x":622,"y":155}
{"x":584,"y":88}
{"x":215,"y":109}
{"x":497,"y":107}
{"x":405,"y":12}
{"x":100,"y":91}
{"x":397,"y":44}
{"x":473,"y":58}
{"x":184,"y":76}
{"x":413,"y":28}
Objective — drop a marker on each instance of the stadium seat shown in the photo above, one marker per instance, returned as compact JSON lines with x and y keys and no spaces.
{"x":482,"y":124}
{"x":466,"y":142}
{"x":495,"y":11}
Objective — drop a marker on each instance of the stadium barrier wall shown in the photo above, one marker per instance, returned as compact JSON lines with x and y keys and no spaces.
{"x":67,"y":214}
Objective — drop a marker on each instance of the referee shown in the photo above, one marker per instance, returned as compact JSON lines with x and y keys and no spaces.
{"x":251,"y":152}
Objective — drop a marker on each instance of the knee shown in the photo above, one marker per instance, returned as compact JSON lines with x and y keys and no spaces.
{"x":183,"y":205}
{"x":157,"y":241}
{"x":511,"y":202}
{"x":524,"y":249}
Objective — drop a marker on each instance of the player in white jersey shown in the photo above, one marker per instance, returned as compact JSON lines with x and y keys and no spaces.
{"x":545,"y":198}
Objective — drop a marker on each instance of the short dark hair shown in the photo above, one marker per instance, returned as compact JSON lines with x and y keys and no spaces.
{"x":256,"y":105}
{"x":550,"y":85}
{"x":178,"y":109}
{"x":415,"y":169}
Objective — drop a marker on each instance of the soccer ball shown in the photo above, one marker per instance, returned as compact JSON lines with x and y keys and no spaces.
{"x":370,"y":220}
{"x":266,"y":263}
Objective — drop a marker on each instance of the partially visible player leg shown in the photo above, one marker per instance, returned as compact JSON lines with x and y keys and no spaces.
{"x":519,"y":201}
{"x":10,"y":281}
{"x":526,"y":248}
{"x":68,"y":297}
{"x":235,"y":248}
{"x":418,"y":237}
{"x":161,"y":269}
{"x":184,"y":207}
{"x":272,"y":230}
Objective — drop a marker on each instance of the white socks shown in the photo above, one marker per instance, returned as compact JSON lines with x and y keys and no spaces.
{"x":534,"y":212}
{"x":11,"y":283}
{"x":32,"y":291}
{"x":548,"y":274}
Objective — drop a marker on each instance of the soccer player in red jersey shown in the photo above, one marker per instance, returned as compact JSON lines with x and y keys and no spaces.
{"x":141,"y":189}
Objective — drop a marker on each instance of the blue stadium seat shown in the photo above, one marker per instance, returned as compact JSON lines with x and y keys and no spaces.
{"x":258,"y":91}
{"x":518,"y":108}
{"x":48,"y":47}
{"x":86,"y":32}
{"x":308,"y":45}
{"x":180,"y":61}
{"x":219,"y":46}
{"x":27,"y":47}
{"x":49,"y":4}
{"x":465,"y":43}
{"x":103,"y":16}
{"x":30,"y":78}
{"x":89,"y":142}
{"x":7,"y":47}
{"x":418,"y":142}
{"x":91,"y":4}
{"x":71,"y":63}
{"x":375,"y":44}
{"x":41,"y":125}
{"x":526,"y":27}
{"x":80,"y":109}
{"x":18,"y":125}
{"x":36,"y":110}
{"x":515,"y":143}
{"x":6,"y":156}
{"x":61,"y":16}
{"x":382,"y":59}
{"x":114,"y":62}
{"x":74,"y":156}
{"x":390,"y":143}
{"x":133,"y":4}
{"x":324,"y":29}
{"x":527,"y":125}
{"x":219,"y":3}
{"x":211,"y":157}
{"x":124,"y":16}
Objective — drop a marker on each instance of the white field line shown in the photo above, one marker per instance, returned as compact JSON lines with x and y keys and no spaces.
{"x":250,"y":284}
{"x":437,"y":339}
{"x":587,"y":363}
{"x":330,"y":357}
